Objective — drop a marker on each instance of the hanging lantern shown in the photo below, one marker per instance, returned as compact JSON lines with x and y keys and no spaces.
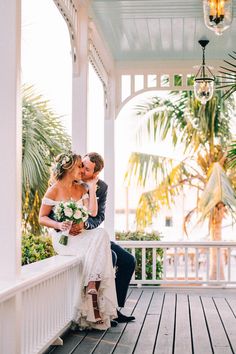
{"x":204,"y":80}
{"x":218,"y":14}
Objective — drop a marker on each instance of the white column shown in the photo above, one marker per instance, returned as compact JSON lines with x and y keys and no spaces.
{"x":109,"y":155}
{"x":109,"y":175}
{"x":80,"y":86}
{"x":10,"y":140}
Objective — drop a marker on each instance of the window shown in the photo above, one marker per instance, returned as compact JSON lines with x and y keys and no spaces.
{"x":169,"y":221}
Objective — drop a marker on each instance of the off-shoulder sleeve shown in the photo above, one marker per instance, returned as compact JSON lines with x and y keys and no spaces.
{"x":47,"y":201}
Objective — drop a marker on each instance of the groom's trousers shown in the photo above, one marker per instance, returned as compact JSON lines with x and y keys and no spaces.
{"x":125,"y":264}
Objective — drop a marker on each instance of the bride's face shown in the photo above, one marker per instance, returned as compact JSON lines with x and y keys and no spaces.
{"x":76,"y":171}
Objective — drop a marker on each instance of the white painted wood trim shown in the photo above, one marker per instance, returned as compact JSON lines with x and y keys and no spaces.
{"x":109,"y":175}
{"x":69,"y":12}
{"x":80,"y":87}
{"x":10,"y":140}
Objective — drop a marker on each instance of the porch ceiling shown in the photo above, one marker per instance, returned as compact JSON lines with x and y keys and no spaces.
{"x":162,"y":30}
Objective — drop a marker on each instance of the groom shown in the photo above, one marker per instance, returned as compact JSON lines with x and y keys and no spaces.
{"x":93,"y":164}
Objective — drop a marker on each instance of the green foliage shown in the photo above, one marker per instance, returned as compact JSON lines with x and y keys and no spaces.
{"x":144,"y":236}
{"x":205,"y":134}
{"x":43,"y":137}
{"x":228,"y":77}
{"x":36,"y":248}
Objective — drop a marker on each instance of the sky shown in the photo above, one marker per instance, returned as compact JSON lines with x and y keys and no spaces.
{"x":46,"y":55}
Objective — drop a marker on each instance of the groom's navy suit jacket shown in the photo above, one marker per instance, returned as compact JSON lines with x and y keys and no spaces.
{"x":101,"y":194}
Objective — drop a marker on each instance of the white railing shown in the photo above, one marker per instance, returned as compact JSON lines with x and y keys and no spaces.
{"x":36,"y":309}
{"x":184,"y":263}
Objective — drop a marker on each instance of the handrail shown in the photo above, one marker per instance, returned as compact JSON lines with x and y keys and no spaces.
{"x":178,"y":244}
{"x":183,"y":265}
{"x":30,"y":276}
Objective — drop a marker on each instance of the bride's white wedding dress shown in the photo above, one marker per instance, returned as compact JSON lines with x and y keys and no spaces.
{"x":93,"y":247}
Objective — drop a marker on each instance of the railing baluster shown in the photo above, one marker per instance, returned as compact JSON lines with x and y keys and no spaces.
{"x":186,"y":262}
{"x":164,"y":264}
{"x":218,"y":257}
{"x":143,"y":263}
{"x":208,"y":264}
{"x":175,"y":263}
{"x":133,"y":253}
{"x":154,"y":263}
{"x":229,"y":263}
{"x":196,"y":263}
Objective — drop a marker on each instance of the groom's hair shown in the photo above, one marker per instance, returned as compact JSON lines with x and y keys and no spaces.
{"x":97,"y":159}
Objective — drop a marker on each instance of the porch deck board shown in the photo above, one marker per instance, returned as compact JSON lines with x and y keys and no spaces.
{"x":217,"y":333}
{"x":183,"y":341}
{"x":168,"y":320}
{"x":200,"y":335}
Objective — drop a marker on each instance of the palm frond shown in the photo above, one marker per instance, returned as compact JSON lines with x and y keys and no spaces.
{"x":232,"y":155}
{"x":144,"y":167}
{"x":230,"y":74}
{"x":43,"y":137}
{"x":185,"y":120}
{"x":163,"y":195}
{"x":218,"y":189}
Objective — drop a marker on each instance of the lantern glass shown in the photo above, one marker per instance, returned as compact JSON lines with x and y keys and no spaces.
{"x":203,"y":89}
{"x":218,"y":14}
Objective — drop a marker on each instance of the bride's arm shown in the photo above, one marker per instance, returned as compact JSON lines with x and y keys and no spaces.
{"x":44,"y":219}
{"x":45,"y":210}
{"x":91,"y":203}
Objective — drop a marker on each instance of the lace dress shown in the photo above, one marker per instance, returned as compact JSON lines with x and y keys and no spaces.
{"x":93,"y":248}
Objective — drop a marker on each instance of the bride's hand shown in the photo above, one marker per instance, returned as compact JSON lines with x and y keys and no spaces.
{"x":65,"y":225}
{"x":92,"y":184}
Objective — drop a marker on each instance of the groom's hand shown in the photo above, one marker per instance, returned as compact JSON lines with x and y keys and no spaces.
{"x":76,"y":229}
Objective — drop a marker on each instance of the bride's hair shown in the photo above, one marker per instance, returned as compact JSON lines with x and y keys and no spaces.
{"x":63,"y":163}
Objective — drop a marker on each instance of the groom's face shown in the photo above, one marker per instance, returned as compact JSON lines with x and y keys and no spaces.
{"x":88,"y":171}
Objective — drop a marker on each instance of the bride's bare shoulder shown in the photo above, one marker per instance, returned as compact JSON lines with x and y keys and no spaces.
{"x":52,"y":191}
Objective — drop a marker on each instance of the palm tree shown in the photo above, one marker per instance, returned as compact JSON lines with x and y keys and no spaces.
{"x":204,"y":132}
{"x":43,"y":137}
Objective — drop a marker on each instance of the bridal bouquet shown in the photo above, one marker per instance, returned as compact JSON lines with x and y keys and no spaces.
{"x":70,"y":211}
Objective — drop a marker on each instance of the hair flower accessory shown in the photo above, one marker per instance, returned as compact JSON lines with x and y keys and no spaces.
{"x":65,"y":160}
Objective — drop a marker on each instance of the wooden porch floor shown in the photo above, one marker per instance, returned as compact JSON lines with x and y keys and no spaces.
{"x":179,"y":321}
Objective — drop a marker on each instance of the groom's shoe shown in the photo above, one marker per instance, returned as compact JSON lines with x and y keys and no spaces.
{"x":114,"y":323}
{"x":123,"y":319}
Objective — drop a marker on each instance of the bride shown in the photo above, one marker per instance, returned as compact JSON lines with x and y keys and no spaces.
{"x":95,"y":298}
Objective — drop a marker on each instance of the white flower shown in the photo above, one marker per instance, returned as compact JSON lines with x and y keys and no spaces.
{"x":65,"y":160}
{"x":58,"y":211}
{"x":68,"y":212}
{"x":78,"y":214}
